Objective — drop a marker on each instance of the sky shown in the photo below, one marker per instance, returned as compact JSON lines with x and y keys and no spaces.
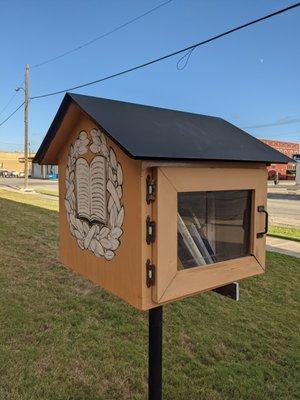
{"x":250,"y":78}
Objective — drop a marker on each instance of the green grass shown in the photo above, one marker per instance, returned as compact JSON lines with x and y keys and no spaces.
{"x":47,"y":192}
{"x":284,"y":232}
{"x":63,"y":338}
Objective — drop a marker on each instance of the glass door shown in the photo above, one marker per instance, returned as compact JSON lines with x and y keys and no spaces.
{"x":208,"y":227}
{"x":213,"y":226}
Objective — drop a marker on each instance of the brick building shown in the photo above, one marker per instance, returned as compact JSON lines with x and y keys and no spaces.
{"x":285,"y":171}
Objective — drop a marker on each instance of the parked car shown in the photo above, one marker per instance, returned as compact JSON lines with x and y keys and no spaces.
{"x":4,"y":173}
{"x":21,"y":175}
{"x":14,"y":174}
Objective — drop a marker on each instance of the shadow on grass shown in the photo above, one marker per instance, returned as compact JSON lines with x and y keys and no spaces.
{"x":64,"y":338}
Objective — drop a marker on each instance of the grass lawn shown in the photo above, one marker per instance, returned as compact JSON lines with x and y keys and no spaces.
{"x":63,"y":338}
{"x":47,"y":192}
{"x":283,"y":232}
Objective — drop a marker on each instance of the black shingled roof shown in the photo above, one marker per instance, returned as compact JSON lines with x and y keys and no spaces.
{"x":146,"y":132}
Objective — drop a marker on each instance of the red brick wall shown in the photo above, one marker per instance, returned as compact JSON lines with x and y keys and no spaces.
{"x":287,"y":148}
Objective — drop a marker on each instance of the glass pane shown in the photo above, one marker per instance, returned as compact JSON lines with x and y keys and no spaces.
{"x":213,"y":227}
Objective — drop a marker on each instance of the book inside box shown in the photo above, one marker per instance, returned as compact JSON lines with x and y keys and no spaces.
{"x":213,"y":226}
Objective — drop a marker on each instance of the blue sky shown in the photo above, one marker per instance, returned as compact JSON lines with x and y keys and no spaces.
{"x":249,"y":78}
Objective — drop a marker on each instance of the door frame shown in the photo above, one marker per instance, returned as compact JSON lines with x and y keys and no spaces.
{"x":173,"y":284}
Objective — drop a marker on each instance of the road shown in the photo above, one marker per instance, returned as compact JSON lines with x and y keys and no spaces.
{"x":17,"y":183}
{"x":284,"y":212}
{"x":284,"y":209}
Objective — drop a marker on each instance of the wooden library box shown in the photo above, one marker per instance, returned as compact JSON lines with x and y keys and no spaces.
{"x":157,"y":204}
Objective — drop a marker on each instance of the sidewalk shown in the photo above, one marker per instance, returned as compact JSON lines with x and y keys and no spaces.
{"x":284,"y":188}
{"x":289,"y":247}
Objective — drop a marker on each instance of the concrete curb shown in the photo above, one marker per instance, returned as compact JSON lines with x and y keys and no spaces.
{"x":283,"y":246}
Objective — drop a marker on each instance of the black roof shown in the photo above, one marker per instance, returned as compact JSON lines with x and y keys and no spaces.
{"x":146,"y":132}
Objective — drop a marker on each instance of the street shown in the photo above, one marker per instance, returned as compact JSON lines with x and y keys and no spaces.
{"x":284,"y":209}
{"x":18,"y":183}
{"x":284,"y":212}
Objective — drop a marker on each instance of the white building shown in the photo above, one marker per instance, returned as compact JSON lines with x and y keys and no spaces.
{"x":44,"y":171}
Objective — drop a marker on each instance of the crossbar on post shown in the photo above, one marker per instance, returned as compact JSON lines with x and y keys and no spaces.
{"x":155,"y":353}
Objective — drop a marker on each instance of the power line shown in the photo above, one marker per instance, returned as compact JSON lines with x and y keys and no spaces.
{"x":101,"y":36}
{"x":192,"y":47}
{"x":186,"y":58}
{"x":10,"y":100}
{"x":12,"y":144}
{"x":290,"y":121}
{"x":189,"y":48}
{"x":17,"y":144}
{"x":10,"y":115}
{"x":8,"y":103}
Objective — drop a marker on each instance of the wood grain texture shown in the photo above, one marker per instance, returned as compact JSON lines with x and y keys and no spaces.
{"x":122,"y":275}
{"x":165,"y":245}
{"x":147,"y":250}
{"x":194,"y":280}
{"x":173,"y":284}
{"x":125,"y":274}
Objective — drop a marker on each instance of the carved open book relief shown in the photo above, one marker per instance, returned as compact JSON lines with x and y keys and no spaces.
{"x":91,"y":189}
{"x":94,"y":192}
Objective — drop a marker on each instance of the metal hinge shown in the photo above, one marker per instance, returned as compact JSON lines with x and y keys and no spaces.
{"x":150,"y":273}
{"x":150,"y":231}
{"x":150,"y":189}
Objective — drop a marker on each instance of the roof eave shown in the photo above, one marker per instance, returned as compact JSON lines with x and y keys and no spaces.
{"x":53,"y":129}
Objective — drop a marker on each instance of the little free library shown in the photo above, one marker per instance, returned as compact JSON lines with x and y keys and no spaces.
{"x":157,"y":204}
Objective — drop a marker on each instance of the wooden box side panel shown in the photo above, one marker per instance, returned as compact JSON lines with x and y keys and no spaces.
{"x":122,"y":274}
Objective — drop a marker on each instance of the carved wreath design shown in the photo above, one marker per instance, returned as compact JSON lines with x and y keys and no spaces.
{"x":101,"y":240}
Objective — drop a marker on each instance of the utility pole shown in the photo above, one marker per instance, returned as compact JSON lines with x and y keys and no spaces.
{"x":26,"y":169}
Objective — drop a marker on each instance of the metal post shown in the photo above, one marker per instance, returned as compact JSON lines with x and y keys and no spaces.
{"x":26,"y":128}
{"x":155,"y":353}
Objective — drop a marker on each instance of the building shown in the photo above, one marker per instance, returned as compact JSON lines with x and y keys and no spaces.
{"x":285,"y":171}
{"x":297,"y":159}
{"x":14,"y":161}
{"x":44,"y":171}
{"x":22,"y":162}
{"x":10,"y":161}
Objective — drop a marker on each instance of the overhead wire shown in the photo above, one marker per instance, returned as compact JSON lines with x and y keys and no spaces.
{"x":191,"y":47}
{"x":10,"y":115}
{"x":12,"y":144}
{"x":10,"y":100}
{"x":82,"y":46}
{"x":185,"y":58}
{"x":102,"y":35}
{"x":289,"y":121}
{"x":8,"y":103}
{"x":188,"y":49}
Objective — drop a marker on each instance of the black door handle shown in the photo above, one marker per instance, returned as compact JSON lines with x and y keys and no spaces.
{"x":262,"y":209}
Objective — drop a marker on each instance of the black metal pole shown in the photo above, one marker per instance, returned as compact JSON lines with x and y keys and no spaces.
{"x":155,"y":353}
